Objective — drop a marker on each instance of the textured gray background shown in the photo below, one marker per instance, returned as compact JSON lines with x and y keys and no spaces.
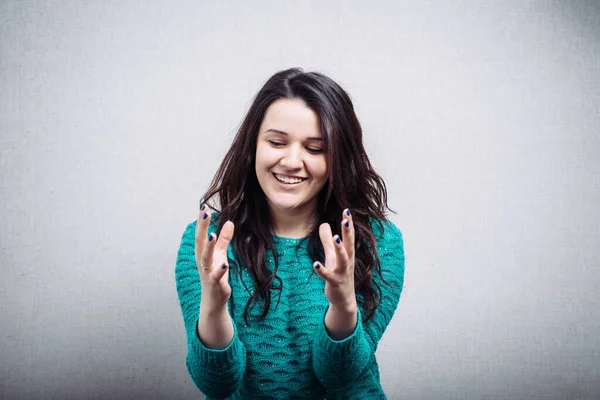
{"x":483,"y":117}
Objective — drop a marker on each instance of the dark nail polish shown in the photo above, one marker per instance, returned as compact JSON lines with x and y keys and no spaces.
{"x":205,"y":216}
{"x":347,"y":224}
{"x":338,"y":240}
{"x":318,"y":266}
{"x":203,"y":207}
{"x":210,"y":238}
{"x":224,"y":266}
{"x":348,"y":212}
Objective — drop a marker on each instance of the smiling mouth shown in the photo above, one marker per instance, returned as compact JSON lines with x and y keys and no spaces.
{"x":288,"y":180}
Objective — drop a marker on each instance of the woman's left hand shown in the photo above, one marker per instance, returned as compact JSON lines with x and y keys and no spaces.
{"x":338,"y":269}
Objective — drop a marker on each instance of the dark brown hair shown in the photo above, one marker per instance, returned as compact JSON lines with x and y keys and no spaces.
{"x":352,"y":183}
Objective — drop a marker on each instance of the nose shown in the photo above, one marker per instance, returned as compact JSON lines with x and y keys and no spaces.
{"x":292,"y":159}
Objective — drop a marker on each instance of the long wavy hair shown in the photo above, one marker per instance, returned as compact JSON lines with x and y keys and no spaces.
{"x":352,"y":182}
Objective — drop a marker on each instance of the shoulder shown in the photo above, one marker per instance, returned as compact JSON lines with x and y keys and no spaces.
{"x":386,"y":231}
{"x":390,"y":247}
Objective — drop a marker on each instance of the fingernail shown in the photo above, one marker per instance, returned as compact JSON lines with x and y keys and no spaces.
{"x":338,"y":240}
{"x":203,"y":207}
{"x":210,"y":237}
{"x":223,"y":266}
{"x":347,"y":224}
{"x":205,"y":216}
{"x":348,"y":212}
{"x":318,"y":266}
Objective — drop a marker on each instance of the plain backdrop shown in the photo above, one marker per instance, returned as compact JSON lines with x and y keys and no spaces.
{"x":482,"y":117}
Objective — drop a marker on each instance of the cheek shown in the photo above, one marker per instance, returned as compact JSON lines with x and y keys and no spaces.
{"x":266,"y":155}
{"x":262,"y":157}
{"x":319,"y":169}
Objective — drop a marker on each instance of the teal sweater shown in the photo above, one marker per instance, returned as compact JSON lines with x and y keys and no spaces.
{"x":289,"y":354}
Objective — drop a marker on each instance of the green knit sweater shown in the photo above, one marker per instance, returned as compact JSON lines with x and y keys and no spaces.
{"x":289,"y":354}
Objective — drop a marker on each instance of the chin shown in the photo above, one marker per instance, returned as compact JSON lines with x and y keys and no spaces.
{"x":279,"y":202}
{"x":286,"y":206}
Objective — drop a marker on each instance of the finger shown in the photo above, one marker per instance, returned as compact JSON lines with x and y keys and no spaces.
{"x":219,"y":272}
{"x":327,"y":241}
{"x":225,"y":237}
{"x":348,"y":233}
{"x":340,"y":253}
{"x":201,"y":231}
{"x":322,"y":271}
{"x":207,"y":254}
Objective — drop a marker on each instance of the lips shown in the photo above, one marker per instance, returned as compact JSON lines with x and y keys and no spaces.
{"x":289,"y":180}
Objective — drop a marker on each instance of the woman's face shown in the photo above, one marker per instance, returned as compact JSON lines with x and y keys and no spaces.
{"x":290,"y":160}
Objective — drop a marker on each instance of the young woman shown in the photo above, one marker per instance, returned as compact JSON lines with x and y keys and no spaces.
{"x":288,"y":287}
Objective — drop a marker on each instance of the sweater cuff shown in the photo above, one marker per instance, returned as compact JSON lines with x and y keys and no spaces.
{"x":220,"y":357}
{"x":337,"y":363}
{"x":216,"y":372}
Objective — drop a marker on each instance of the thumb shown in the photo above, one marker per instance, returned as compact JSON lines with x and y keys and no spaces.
{"x":225,"y":237}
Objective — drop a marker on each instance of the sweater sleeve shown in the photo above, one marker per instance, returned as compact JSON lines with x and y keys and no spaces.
{"x":340,"y":364}
{"x":217,"y":373}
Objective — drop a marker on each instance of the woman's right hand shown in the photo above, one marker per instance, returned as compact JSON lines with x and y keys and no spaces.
{"x":211,"y":259}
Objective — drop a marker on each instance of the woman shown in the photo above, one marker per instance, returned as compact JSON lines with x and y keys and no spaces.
{"x":295,"y":190}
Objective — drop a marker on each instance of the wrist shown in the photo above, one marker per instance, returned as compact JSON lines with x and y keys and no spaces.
{"x":340,"y":323}
{"x":215,"y":328}
{"x":214,"y":311}
{"x":345,"y":307}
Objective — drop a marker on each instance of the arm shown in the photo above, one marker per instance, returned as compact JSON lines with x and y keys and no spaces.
{"x":341,"y":361}
{"x":216,"y":372}
{"x":391,"y":253}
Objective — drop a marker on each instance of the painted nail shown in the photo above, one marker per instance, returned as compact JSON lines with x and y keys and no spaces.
{"x":338,"y":240}
{"x":347,"y":224}
{"x":210,"y":237}
{"x":203,"y":207}
{"x":224,"y":266}
{"x":348,"y":212}
{"x":318,"y":266}
{"x":205,"y":216}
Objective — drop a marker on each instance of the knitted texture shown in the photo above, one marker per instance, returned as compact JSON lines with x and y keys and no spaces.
{"x":288,"y":354}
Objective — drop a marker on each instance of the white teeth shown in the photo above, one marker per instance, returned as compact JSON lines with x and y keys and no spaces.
{"x":286,"y":179}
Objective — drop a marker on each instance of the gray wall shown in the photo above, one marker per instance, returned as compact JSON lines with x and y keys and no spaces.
{"x":483,"y":117}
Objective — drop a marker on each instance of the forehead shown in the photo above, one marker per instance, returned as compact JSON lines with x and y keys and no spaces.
{"x":291,"y":116}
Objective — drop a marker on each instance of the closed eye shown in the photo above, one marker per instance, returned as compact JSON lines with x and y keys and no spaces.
{"x":275,"y":143}
{"x":314,"y":150}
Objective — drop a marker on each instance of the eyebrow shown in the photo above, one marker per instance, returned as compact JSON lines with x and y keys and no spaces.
{"x":286,"y":134}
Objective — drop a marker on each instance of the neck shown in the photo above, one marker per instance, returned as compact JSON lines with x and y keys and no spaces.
{"x":295,"y":223}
